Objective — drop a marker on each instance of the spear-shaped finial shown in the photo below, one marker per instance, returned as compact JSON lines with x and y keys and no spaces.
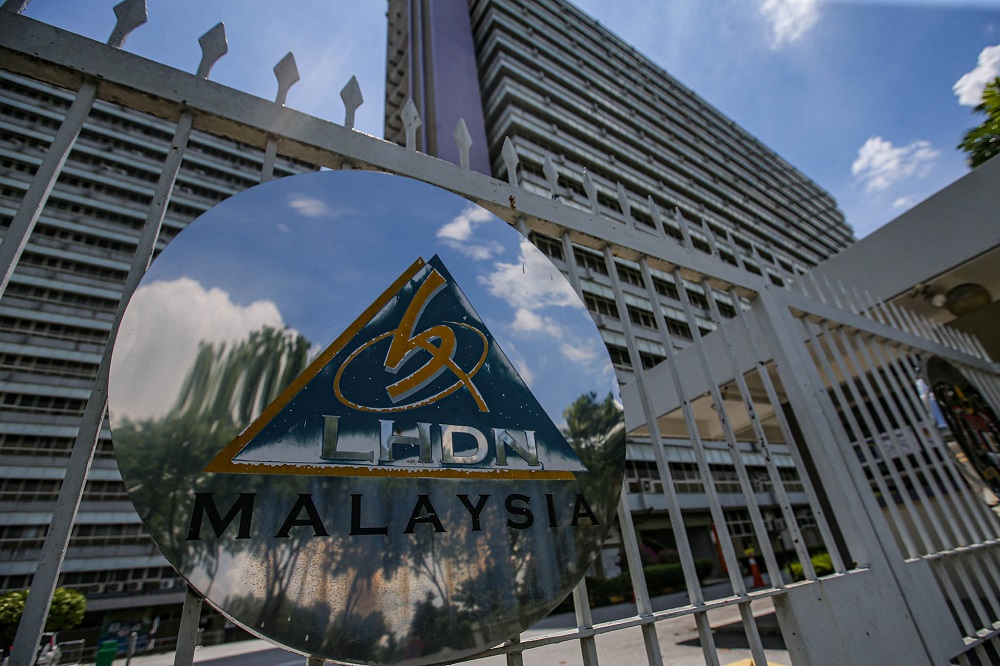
{"x":510,"y":160}
{"x":464,"y":142}
{"x":130,"y":14}
{"x":287,"y":74}
{"x":591,"y":189}
{"x":213,"y":46}
{"x":351,"y":94}
{"x":411,"y":123}
{"x":551,"y":175}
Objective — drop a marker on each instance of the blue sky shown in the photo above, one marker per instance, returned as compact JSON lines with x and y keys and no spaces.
{"x":858,"y":95}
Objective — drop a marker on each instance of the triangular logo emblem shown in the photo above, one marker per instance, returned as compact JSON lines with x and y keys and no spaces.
{"x":415,"y":387}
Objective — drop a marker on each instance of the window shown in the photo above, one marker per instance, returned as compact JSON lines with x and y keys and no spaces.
{"x":641,"y":317}
{"x":586,"y":259}
{"x":600,"y":305}
{"x":726,"y":310}
{"x":665,"y":288}
{"x":619,"y":356}
{"x":697,"y":300}
{"x":629,"y":275}
{"x":650,"y":360}
{"x":725,"y":479}
{"x":679,"y":328}
{"x":790,"y":479}
{"x":738,"y":522}
{"x":686,"y":478}
{"x":548,"y":246}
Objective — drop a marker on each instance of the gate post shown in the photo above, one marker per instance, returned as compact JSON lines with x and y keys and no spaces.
{"x":846,"y":619}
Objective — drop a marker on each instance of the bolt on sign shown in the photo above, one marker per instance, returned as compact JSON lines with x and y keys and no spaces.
{"x":367,"y":419}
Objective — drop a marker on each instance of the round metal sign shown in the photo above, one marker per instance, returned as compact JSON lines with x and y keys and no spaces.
{"x":367,"y":419}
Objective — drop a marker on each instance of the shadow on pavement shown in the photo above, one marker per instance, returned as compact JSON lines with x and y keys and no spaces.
{"x":732,"y":636}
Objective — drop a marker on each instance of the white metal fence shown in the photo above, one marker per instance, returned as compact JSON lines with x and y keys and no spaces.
{"x":747,"y":369}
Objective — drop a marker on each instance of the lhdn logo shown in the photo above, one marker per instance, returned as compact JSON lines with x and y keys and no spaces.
{"x":413,"y":350}
{"x":440,"y":344}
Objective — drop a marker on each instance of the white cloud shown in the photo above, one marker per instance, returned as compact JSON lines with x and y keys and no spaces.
{"x":459,"y":233}
{"x":969,"y":88}
{"x":880,"y":164}
{"x":308,"y":206}
{"x":526,"y":321}
{"x":532,"y":283}
{"x":903,"y":202}
{"x":578,"y":353}
{"x":530,"y":286}
{"x":461,"y":227}
{"x":160,"y":335}
{"x":789,"y":19}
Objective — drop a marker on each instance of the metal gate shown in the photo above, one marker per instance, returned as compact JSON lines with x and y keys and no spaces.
{"x":788,"y":407}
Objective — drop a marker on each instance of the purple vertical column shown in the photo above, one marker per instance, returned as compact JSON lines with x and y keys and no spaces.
{"x":441,"y":47}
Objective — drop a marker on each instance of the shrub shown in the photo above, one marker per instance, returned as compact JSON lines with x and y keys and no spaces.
{"x":704,"y":568}
{"x":662,"y":578}
{"x":66,"y":611}
{"x":821,"y":562}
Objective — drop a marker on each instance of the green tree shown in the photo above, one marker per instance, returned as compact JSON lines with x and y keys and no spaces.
{"x":588,"y":421}
{"x":65,"y":612}
{"x":983,"y":142}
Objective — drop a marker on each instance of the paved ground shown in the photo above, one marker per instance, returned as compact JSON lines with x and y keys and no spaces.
{"x":678,"y":640}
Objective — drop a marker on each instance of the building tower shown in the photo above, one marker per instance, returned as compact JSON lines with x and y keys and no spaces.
{"x":598,"y":125}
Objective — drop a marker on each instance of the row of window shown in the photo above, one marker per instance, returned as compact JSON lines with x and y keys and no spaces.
{"x":621,"y":357}
{"x":47,"y":490}
{"x":49,"y":367}
{"x":55,"y":296}
{"x":100,"y":276}
{"x":30,"y":537}
{"x":687,"y":478}
{"x":709,"y":181}
{"x":54,"y":330}
{"x":46,"y":446}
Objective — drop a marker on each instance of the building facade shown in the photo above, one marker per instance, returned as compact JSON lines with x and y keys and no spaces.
{"x":599,"y":126}
{"x":54,"y":323}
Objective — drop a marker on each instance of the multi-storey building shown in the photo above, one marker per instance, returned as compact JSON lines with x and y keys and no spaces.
{"x":55,"y":319}
{"x":599,"y":126}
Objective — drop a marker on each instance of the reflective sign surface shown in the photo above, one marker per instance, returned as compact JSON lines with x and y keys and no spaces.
{"x":972,"y":422}
{"x":367,"y":419}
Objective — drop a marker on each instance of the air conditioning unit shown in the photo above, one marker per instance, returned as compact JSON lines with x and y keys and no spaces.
{"x":652,"y":487}
{"x":114,"y":588}
{"x":134,"y":586}
{"x":96,"y":588}
{"x":168,"y":583}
